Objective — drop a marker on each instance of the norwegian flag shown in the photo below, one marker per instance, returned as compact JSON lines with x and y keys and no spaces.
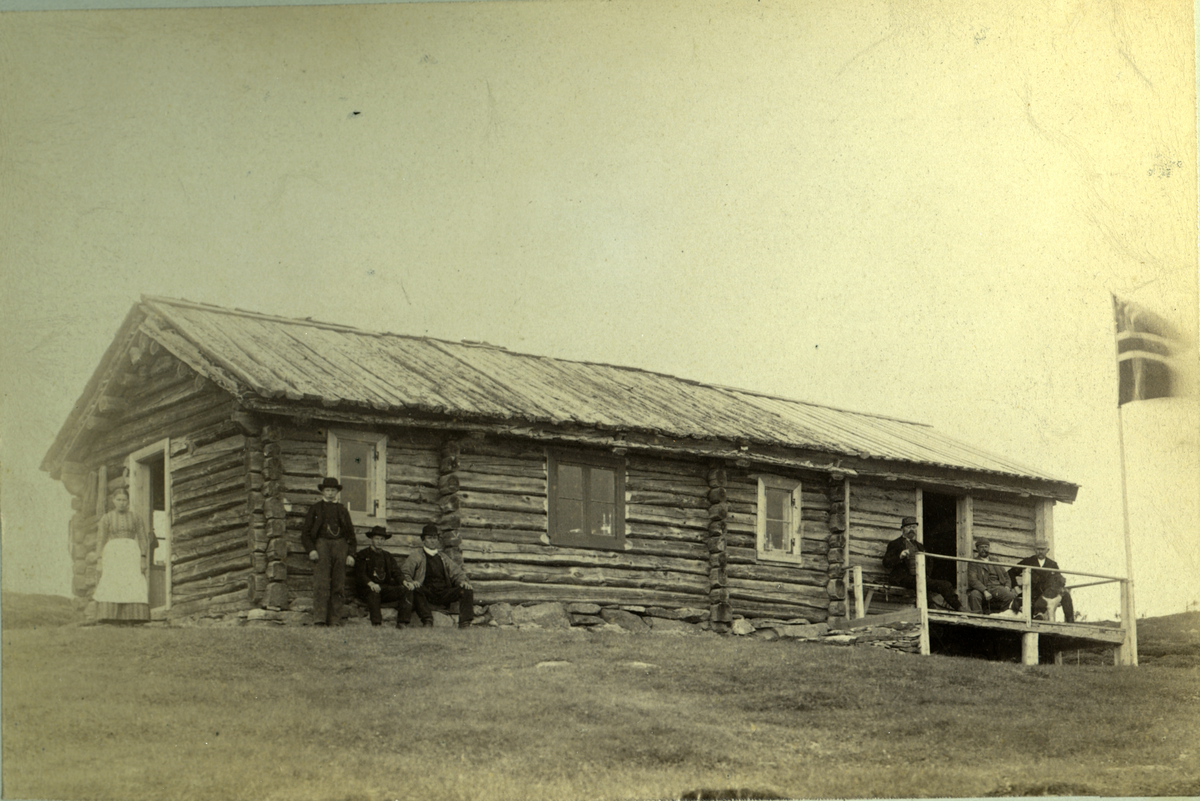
{"x":1145,"y":342}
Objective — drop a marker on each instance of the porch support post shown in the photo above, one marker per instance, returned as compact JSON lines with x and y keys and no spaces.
{"x":1029,"y":648}
{"x":922,"y":604}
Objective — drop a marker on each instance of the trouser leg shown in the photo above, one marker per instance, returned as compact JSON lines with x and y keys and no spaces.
{"x":321,"y":576}
{"x":421,"y":603}
{"x":337,"y":580}
{"x":975,"y":601}
{"x":1068,"y":607}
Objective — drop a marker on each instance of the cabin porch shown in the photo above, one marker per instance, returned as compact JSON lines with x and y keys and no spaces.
{"x":1036,"y":635}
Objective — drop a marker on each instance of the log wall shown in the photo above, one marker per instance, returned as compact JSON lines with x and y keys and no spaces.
{"x":501,"y":519}
{"x":764,"y":589}
{"x":295,"y":461}
{"x":1009,"y":523}
{"x":156,"y":397}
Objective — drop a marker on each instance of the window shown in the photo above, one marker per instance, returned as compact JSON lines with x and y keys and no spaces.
{"x":778,"y":521}
{"x":586,"y":500}
{"x":358,"y":460}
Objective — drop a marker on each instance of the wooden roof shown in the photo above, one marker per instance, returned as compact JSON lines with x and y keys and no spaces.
{"x":256,"y":356}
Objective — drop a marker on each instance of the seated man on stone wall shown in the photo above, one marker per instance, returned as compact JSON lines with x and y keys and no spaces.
{"x":1048,"y":590}
{"x":990,"y":586}
{"x":378,"y":580}
{"x":900,"y":559}
{"x":436,"y":579}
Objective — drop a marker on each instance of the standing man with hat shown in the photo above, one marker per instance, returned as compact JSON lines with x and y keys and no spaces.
{"x":379,"y":580}
{"x":328,"y":536}
{"x":900,"y":559}
{"x":435,"y":577}
{"x":990,"y":585}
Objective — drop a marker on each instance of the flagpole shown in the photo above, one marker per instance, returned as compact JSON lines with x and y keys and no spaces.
{"x":1127,"y":605}
{"x":1128,"y":608}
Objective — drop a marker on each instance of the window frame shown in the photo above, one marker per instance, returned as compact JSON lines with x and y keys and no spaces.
{"x":793,"y":554}
{"x":585,"y":460}
{"x":376,"y":471}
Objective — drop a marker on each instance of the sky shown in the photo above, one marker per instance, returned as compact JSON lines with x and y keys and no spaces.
{"x":917,"y":209}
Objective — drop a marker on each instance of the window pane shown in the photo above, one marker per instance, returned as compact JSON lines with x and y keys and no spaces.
{"x":775,"y":535}
{"x":570,"y":481}
{"x":355,"y":496}
{"x":569,"y":516}
{"x":600,"y":518}
{"x":779,"y":504}
{"x":356,"y":458}
{"x":600,"y":485}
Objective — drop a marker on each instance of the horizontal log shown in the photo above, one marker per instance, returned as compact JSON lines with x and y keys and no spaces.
{"x":298,"y":465}
{"x":229,"y":539}
{"x":550,"y":556}
{"x":412,"y":493}
{"x":223,"y":451}
{"x":402,"y":512}
{"x":218,"y":604}
{"x":529,"y":536}
{"x":587,"y":576}
{"x":658,"y":555}
{"x":184,"y":512}
{"x":208,"y":587}
{"x":682,"y":518}
{"x":667,"y":499}
{"x":412,"y":474}
{"x":499,"y":501}
{"x":229,"y":480}
{"x":774,"y":592}
{"x":210,"y":566}
{"x":490,"y":519}
{"x":481,"y":482}
{"x":655,"y":531}
{"x":515,"y":592}
{"x":642,"y":482}
{"x":504,"y":449}
{"x":497,"y":466}
{"x":650,"y":466}
{"x":813,"y":574}
{"x":203,"y":526}
{"x":756,"y":609}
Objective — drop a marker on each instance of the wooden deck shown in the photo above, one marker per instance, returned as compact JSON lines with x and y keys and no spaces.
{"x":1035,"y":634}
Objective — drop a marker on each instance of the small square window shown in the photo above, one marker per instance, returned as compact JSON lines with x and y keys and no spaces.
{"x":586,"y":500}
{"x":778,"y":520}
{"x":358,"y":460}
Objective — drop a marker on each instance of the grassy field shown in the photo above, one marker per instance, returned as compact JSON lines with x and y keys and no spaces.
{"x":362,"y":713}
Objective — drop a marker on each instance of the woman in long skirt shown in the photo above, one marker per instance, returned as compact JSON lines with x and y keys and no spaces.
{"x":122,"y":594}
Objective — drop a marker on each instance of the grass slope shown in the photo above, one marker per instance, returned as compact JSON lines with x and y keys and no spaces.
{"x":362,"y":713}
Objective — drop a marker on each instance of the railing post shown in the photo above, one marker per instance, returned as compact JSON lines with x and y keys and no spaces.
{"x":1027,"y":597}
{"x":922,"y":604}
{"x":856,"y":572}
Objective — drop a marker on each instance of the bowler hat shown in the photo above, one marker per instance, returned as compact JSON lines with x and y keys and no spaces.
{"x":430,"y":530}
{"x":908,"y":521}
{"x":328,"y":483}
{"x":379,"y":531}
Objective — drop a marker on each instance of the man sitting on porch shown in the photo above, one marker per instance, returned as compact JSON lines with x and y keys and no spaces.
{"x":1046,"y":589}
{"x":900,"y":559}
{"x":990,"y":586}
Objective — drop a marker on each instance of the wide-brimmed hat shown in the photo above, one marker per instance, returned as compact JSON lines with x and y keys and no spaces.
{"x":379,"y":531}
{"x":908,"y":521}
{"x":329,"y":483}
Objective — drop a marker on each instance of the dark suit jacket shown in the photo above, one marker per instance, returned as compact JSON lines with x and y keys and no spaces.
{"x":336,"y":516}
{"x":1041,"y":581}
{"x":377,"y":566}
{"x":894,"y":561}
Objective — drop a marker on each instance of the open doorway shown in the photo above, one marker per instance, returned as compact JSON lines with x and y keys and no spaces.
{"x":940,"y":526}
{"x":149,"y":496}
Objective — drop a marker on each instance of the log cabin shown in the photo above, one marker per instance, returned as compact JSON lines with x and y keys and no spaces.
{"x":550,"y":480}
